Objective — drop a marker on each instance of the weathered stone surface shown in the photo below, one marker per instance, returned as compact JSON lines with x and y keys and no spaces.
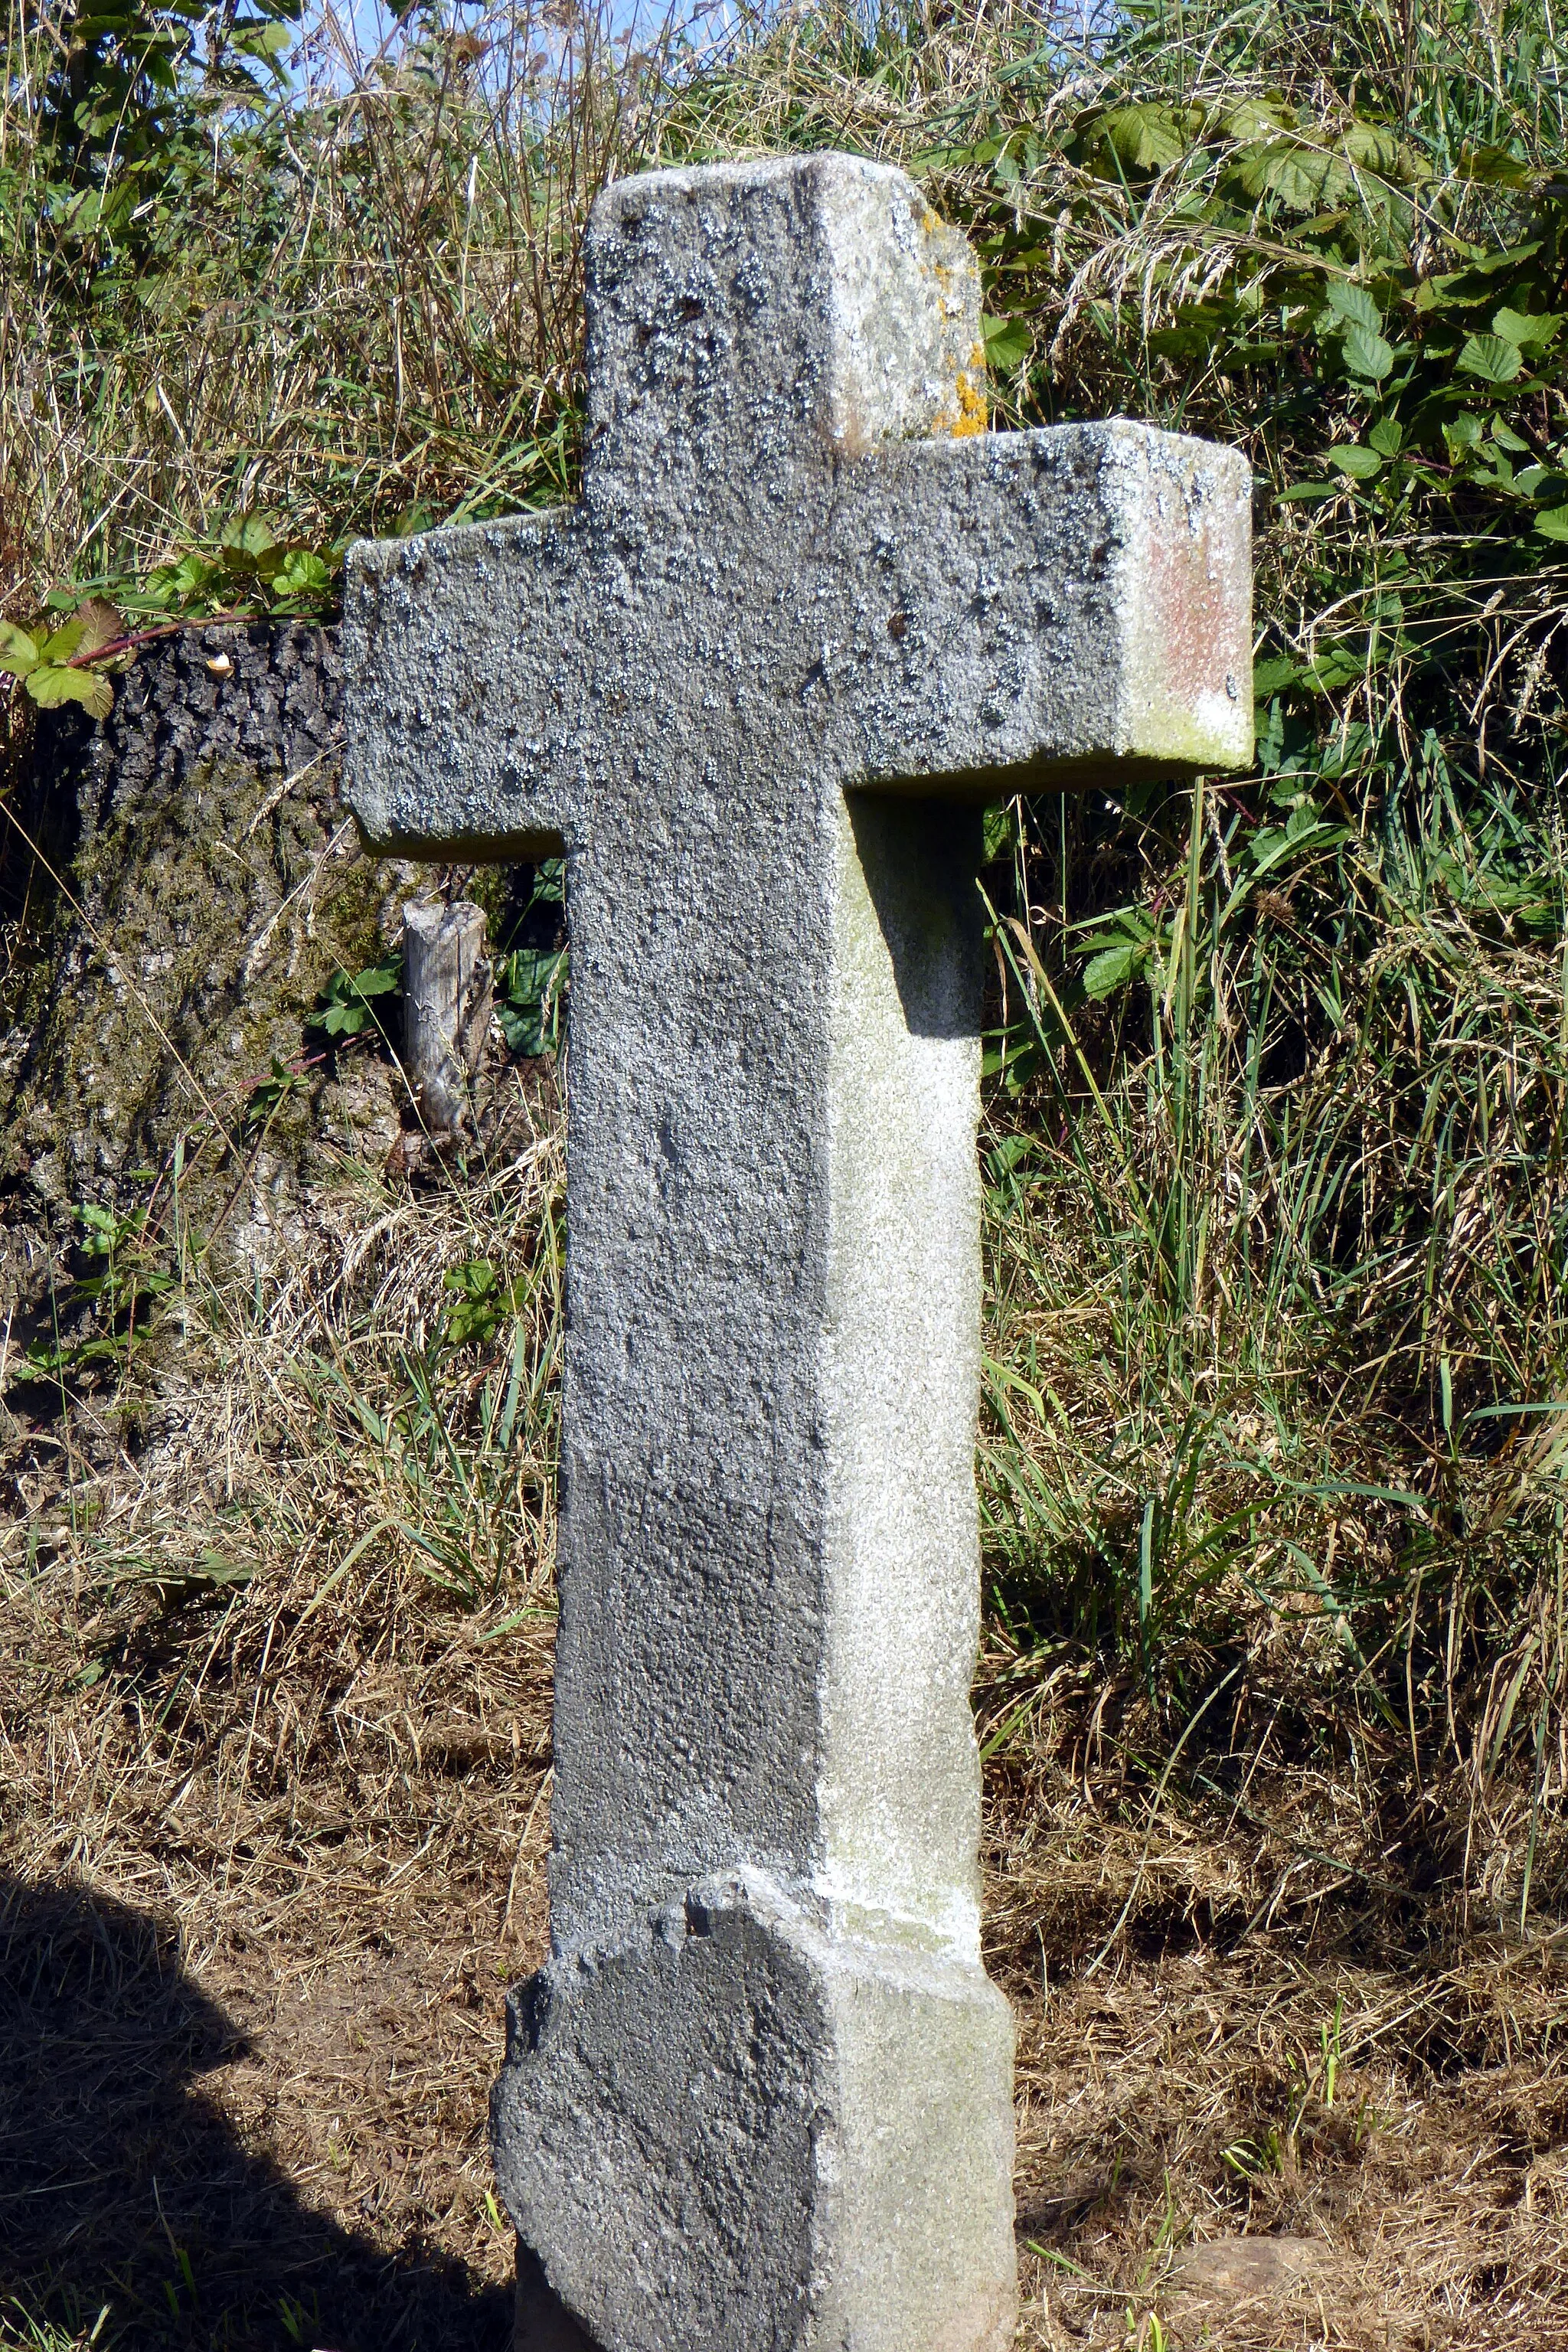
{"x":732,"y":2079}
{"x":757,"y":682}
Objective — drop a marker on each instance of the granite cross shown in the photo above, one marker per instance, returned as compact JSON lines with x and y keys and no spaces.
{"x":806,"y":617}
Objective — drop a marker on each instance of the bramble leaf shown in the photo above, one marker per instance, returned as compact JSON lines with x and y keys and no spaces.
{"x":1356,"y":306}
{"x":100,"y":624}
{"x":1254,"y":119}
{"x":51,"y":684}
{"x":1491,"y":358}
{"x":1302,"y":177}
{"x":1368,"y":355}
{"x":18,"y":650}
{"x":1144,"y":137}
{"x":1376,"y":148}
{"x":1495,"y":167}
{"x":63,"y":642}
{"x":1530,"y":330}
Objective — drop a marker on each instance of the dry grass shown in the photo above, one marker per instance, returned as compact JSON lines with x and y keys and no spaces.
{"x":276,"y":1632}
{"x":274,"y":1847}
{"x":367,"y":313}
{"x":1233,"y":2024}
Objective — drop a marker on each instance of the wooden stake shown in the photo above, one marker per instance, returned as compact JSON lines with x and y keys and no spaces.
{"x":446,"y":1009}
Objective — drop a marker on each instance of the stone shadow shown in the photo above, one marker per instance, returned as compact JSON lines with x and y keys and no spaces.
{"x":124,"y":2185}
{"x":922,"y":860}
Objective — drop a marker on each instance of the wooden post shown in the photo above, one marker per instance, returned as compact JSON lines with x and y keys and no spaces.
{"x":446,"y":1009}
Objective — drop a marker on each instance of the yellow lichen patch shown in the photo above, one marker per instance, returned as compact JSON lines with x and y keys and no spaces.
{"x":972,"y":414}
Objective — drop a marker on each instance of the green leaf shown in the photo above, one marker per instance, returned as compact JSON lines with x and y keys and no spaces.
{"x":1339,"y":666}
{"x":1351,"y":459}
{"x":529,"y":982}
{"x":1495,"y":167}
{"x":63,"y":642}
{"x":1554,"y":525}
{"x":177,"y":587}
{"x":1530,"y":330}
{"x":1367,"y":354}
{"x":1302,"y":177}
{"x":262,"y":40}
{"x":378,"y":978}
{"x":50,"y":685}
{"x":1506,"y":438}
{"x":1254,"y":118}
{"x":1354,"y":305}
{"x":480,"y":1301}
{"x":246,"y":541}
{"x":1000,"y":831}
{"x":1273,"y":674}
{"x":1376,"y":148}
{"x":1387,"y":437}
{"x":1491,"y":358}
{"x":18,"y":651}
{"x":302,"y":573}
{"x":342,"y":1019}
{"x":1146,"y":138}
{"x":1112,"y":966}
{"x":344,"y":1004}
{"x":1008,"y":342}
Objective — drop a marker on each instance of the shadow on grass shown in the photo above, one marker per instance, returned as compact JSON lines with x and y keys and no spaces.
{"x":122,"y":2184}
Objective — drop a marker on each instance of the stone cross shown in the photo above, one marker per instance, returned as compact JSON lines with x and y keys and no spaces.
{"x":807,"y":616}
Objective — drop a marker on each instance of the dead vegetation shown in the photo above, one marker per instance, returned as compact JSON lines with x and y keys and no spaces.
{"x":275,"y":1649}
{"x":275,"y":1631}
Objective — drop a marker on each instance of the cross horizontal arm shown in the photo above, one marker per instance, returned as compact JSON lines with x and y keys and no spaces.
{"x":1040,"y":611}
{"x":1014,"y":611}
{"x":454,"y":638}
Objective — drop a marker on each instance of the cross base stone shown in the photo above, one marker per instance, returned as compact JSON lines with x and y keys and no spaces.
{"x":722,"y":2129}
{"x":543,"y":2324}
